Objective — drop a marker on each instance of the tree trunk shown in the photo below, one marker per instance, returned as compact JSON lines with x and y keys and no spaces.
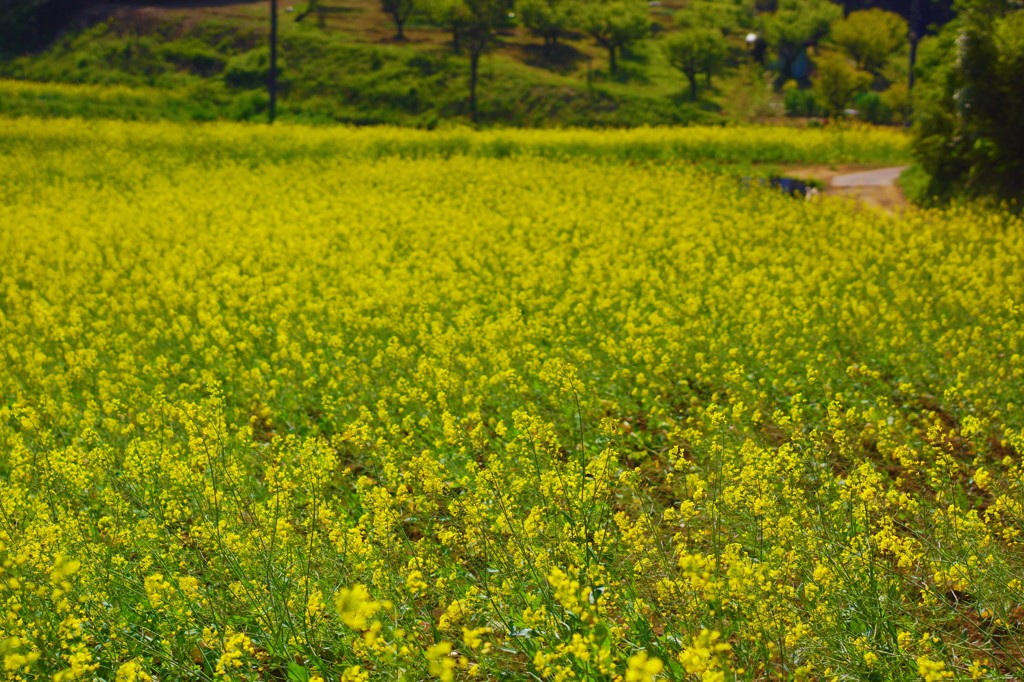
{"x":913,"y":61}
{"x":310,"y":8}
{"x":692,"y":77}
{"x":399,"y":26}
{"x":272,"y":80}
{"x":914,"y":37}
{"x":612,"y":64}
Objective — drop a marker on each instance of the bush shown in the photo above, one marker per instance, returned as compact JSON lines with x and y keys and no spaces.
{"x":967,"y":129}
{"x":800,"y":102}
{"x":872,"y":108}
{"x":915,"y":185}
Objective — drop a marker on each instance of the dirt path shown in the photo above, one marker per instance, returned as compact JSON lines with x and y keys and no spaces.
{"x":873,"y":186}
{"x":878,"y":177}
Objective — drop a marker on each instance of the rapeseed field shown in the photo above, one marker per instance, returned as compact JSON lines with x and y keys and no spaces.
{"x":314,"y":405}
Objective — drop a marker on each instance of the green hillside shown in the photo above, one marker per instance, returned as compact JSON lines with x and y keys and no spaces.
{"x":210,"y":62}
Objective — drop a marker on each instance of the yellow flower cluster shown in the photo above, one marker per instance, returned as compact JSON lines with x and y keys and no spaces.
{"x":287,"y":403}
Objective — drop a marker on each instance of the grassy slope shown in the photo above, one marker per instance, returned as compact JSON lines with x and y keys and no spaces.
{"x":173,"y":64}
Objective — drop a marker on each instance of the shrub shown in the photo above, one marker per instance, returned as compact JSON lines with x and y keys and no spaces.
{"x":872,"y":108}
{"x":800,"y":102}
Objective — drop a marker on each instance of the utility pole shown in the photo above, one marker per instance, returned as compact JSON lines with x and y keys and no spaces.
{"x":915,"y":37}
{"x":272,"y":80}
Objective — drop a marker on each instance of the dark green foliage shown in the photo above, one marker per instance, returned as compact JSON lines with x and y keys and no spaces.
{"x":801,"y":102}
{"x":967,"y":134}
{"x":872,"y":108}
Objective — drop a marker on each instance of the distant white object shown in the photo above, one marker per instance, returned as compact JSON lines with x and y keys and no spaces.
{"x":751,"y":38}
{"x":654,"y":3}
{"x":289,"y":9}
{"x":851,"y":112}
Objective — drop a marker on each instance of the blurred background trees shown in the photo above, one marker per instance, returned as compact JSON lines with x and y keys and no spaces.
{"x":970,"y":94}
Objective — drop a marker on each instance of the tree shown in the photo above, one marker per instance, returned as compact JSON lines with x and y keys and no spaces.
{"x":311,"y":6}
{"x":483,"y":19}
{"x":870,"y":36}
{"x":794,"y":26}
{"x":547,"y":19}
{"x":400,"y":11}
{"x":614,"y":24}
{"x":474,"y":25}
{"x":729,"y":16}
{"x":695,"y":51}
{"x":837,"y":82}
{"x":968,"y":102}
{"x":450,"y":15}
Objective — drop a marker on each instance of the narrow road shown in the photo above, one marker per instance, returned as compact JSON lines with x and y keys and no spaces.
{"x":877,"y":177}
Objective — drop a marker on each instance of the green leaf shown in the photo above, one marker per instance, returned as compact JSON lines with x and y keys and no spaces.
{"x":296,"y":673}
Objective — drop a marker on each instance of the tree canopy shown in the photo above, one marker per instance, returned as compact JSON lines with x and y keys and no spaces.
{"x":729,"y":16}
{"x":614,"y":24}
{"x":837,"y":82}
{"x":696,"y":51}
{"x":548,"y":19}
{"x":797,"y":23}
{"x":870,"y":36}
{"x":794,"y":25}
